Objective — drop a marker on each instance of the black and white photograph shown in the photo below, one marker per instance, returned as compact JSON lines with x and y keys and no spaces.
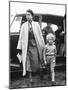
{"x":37,"y":44}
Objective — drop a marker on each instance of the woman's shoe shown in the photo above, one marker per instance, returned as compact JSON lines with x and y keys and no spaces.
{"x":53,"y":83}
{"x":31,"y":83}
{"x":49,"y":77}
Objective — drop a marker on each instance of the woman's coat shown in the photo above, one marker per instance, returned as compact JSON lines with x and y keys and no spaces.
{"x":23,"y":40}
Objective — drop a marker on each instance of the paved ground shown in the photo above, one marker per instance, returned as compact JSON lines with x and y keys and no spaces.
{"x":21,"y":82}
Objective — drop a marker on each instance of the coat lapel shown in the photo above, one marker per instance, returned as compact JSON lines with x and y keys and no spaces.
{"x":38,"y":39}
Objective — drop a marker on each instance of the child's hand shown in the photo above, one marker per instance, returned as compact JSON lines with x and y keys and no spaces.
{"x":53,"y":60}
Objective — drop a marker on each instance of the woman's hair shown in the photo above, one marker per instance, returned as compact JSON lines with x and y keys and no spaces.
{"x":50,"y":36}
{"x":31,"y":12}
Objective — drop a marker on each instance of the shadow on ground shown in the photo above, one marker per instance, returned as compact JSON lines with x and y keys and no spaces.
{"x":23,"y":82}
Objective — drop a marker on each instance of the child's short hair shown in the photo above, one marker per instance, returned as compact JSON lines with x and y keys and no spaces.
{"x":50,"y":36}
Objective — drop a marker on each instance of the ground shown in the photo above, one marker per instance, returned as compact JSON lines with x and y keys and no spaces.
{"x":23,"y":82}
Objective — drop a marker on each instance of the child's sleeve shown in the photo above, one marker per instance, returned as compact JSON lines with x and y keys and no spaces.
{"x":55,"y":51}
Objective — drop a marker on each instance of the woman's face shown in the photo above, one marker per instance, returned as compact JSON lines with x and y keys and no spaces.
{"x":29,"y":16}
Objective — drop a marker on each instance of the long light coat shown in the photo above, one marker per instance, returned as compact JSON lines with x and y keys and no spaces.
{"x":23,"y":40}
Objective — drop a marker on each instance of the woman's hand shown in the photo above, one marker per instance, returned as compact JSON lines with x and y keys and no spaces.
{"x":24,"y":72}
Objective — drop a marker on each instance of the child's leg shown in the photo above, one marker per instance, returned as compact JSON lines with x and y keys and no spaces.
{"x":53,"y":74}
{"x":48,"y":68}
{"x":53,"y":77}
{"x":49,"y":72}
{"x":52,"y":69}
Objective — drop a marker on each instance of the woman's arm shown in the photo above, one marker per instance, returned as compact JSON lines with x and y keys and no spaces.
{"x":44,"y":55}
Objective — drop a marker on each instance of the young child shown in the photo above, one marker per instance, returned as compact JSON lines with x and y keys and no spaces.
{"x":49,"y":56}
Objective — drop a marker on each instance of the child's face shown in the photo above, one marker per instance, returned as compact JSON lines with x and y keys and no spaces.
{"x":50,"y":41}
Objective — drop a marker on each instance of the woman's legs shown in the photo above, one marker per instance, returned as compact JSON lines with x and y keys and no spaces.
{"x":41,"y":74}
{"x":30,"y":76}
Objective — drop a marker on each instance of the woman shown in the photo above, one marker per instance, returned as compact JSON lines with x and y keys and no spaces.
{"x":31,"y":43}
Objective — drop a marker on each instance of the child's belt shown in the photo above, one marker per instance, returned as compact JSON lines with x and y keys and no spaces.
{"x":50,"y":55}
